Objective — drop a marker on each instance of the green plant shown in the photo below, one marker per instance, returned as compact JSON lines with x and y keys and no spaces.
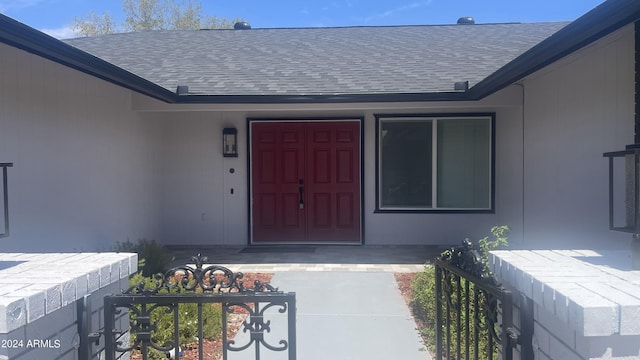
{"x":187,"y":320}
{"x":152,"y":257}
{"x":486,"y":244}
{"x":423,"y":299}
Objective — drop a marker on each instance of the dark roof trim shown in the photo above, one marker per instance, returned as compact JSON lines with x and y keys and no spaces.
{"x":320,"y":99}
{"x":28,"y":39}
{"x":597,"y":23}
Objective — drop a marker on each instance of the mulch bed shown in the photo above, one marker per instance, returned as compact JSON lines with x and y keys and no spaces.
{"x":404,"y":281}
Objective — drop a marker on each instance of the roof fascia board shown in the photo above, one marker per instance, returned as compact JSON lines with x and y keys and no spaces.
{"x":597,"y":23}
{"x":321,"y":99}
{"x":23,"y":37}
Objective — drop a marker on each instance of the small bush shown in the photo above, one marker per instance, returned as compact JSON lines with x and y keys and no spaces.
{"x":187,"y":320}
{"x":423,"y":300}
{"x":152,"y":257}
{"x":424,"y":296}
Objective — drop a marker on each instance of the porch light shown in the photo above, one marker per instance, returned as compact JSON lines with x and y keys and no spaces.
{"x":631,"y":158}
{"x":629,"y":220}
{"x":230,"y":142}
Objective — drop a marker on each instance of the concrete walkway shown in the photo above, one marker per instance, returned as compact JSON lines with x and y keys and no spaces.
{"x":348,"y":304}
{"x":343,"y":316}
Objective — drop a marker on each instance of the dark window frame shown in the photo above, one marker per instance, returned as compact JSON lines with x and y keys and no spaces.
{"x":379,"y":118}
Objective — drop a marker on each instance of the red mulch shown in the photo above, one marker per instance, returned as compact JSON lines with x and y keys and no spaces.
{"x":404,"y":281}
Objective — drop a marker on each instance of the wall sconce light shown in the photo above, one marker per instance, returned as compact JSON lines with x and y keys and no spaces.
{"x":230,"y":142}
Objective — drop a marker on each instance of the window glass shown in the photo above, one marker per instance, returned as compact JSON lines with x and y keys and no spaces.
{"x":453,"y":152}
{"x":464,"y":162}
{"x":406,"y":163}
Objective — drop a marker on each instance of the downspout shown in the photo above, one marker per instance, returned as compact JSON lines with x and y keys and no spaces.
{"x":522,"y":115}
{"x":635,"y":243}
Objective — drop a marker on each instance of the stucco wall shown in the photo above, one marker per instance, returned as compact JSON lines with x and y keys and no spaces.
{"x":576,"y":110}
{"x":197,"y":206}
{"x":82,"y":176}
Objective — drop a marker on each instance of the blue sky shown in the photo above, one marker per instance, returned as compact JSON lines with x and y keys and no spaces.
{"x":54,"y":16}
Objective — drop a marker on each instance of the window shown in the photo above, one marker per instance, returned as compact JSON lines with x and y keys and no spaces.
{"x":435,"y":163}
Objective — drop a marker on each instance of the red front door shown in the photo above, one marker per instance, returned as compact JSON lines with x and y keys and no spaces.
{"x":305,"y":181}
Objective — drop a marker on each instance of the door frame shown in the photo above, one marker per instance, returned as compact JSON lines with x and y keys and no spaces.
{"x":359,"y":119}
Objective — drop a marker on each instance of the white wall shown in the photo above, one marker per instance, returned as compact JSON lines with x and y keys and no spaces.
{"x":197,"y":207}
{"x":576,"y":110}
{"x":81,"y":178}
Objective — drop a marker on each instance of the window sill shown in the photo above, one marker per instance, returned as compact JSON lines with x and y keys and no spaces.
{"x":434,"y":211}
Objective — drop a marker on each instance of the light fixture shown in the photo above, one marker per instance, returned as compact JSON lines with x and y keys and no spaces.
{"x":230,"y":142}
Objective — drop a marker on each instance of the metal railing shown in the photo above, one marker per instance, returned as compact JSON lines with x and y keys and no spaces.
{"x":474,"y":313}
{"x":5,"y":198}
{"x":202,"y":285}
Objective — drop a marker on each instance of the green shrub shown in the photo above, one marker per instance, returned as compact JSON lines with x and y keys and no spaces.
{"x":187,"y":320}
{"x":424,"y":299}
{"x":152,"y":257}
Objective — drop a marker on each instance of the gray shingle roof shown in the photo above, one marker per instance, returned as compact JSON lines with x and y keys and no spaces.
{"x":319,"y":61}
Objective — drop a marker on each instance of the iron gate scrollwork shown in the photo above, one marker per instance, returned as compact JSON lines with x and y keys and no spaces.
{"x":202,"y":285}
{"x":474,"y":312}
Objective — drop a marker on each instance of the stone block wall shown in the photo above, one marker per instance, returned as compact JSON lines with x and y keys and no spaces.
{"x":40,"y":296}
{"x":586,"y":304}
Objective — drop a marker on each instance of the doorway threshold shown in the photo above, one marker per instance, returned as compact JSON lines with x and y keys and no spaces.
{"x":277,"y":249}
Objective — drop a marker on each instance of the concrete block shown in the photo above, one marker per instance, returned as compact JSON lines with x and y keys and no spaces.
{"x":561,"y":300}
{"x":53,"y":323}
{"x":539,"y":355}
{"x":524,"y":283}
{"x":133,"y":264}
{"x":561,"y":351}
{"x":124,"y":268}
{"x":550,"y":323}
{"x":629,"y":306}
{"x":537,"y":293}
{"x":54,"y":298}
{"x":93,"y":281}
{"x":36,"y":302}
{"x":69,"y":292}
{"x":105,"y":276}
{"x":541,"y":338}
{"x":81,"y":286}
{"x":591,"y":314}
{"x":609,"y":347}
{"x":13,"y":313}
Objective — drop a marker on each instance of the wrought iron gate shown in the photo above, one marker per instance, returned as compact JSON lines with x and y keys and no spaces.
{"x":474,"y":312}
{"x":201,"y":285}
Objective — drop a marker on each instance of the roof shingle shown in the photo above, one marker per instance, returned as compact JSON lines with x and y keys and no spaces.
{"x":319,"y":61}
